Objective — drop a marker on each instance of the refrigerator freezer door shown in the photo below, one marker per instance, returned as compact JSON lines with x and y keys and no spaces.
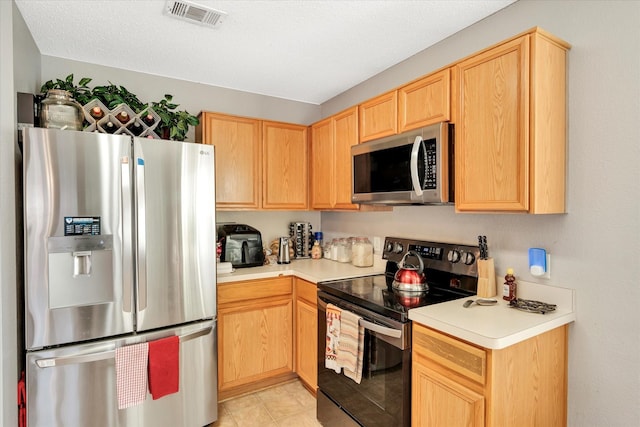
{"x":76,"y":385}
{"x":78,"y":283}
{"x":176,"y":243}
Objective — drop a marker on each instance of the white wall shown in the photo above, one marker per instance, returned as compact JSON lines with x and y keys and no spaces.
{"x":594,"y":247}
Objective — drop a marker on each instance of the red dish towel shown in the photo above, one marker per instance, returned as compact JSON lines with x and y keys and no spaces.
{"x":131,"y":374}
{"x":164,"y":367}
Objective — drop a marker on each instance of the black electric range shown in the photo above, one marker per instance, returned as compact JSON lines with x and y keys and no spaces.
{"x":450,"y":269}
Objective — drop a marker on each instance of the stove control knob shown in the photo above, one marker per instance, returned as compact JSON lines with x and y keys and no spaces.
{"x":398,"y":248}
{"x":388,"y":247}
{"x":469,"y":258}
{"x":453,"y":256}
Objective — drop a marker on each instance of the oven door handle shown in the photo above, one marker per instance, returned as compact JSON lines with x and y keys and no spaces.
{"x":394,"y":333}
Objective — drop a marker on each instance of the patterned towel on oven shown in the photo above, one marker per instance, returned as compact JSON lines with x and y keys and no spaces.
{"x":350,"y":345}
{"x":333,"y":336}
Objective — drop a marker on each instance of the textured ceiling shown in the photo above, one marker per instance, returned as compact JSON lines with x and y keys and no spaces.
{"x":302,"y":50}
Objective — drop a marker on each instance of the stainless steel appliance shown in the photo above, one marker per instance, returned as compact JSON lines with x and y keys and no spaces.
{"x":302,"y":238}
{"x":241,"y":245}
{"x":383,"y":396}
{"x":283,"y":251}
{"x":415,"y":167}
{"x":119,"y":249}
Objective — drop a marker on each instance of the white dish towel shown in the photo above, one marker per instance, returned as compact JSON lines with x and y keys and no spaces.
{"x":131,"y":374}
{"x":350,"y":345}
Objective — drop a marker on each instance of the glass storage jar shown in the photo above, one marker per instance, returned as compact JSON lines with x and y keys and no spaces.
{"x":362,"y":252}
{"x":60,"y":111}
{"x":344,"y":250}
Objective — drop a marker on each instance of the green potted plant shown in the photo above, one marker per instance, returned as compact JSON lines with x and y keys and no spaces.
{"x":80,"y":92}
{"x":173,"y":124}
{"x":112,"y":96}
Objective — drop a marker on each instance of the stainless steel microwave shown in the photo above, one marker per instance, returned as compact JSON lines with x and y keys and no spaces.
{"x":412,"y":168}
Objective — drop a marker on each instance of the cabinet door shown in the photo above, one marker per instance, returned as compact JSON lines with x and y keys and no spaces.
{"x":306,"y":336}
{"x":492,"y":133}
{"x":345,"y":135}
{"x":379,"y":116}
{"x":322,"y":162}
{"x":285,"y":171}
{"x":439,"y":401}
{"x":425,"y":102}
{"x":238,"y":159}
{"x":254,"y":342}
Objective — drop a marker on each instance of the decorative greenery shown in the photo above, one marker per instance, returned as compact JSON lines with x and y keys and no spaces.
{"x":113,"y":95}
{"x":79,"y":92}
{"x":177,"y":122}
{"x":173,"y":124}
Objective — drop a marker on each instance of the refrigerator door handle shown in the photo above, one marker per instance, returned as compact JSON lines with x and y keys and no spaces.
{"x":75,"y":360}
{"x":141,"y":234}
{"x":108,"y":354}
{"x":127,"y":250}
{"x":197,"y":334}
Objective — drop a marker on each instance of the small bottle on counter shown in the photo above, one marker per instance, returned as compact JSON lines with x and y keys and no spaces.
{"x":316,"y":250}
{"x":509,"y":287}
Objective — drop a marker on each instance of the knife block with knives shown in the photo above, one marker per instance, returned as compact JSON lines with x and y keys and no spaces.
{"x":486,"y":271}
{"x":486,"y":278}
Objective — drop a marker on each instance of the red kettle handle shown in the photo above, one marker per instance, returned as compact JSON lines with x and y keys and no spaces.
{"x":417,"y":255}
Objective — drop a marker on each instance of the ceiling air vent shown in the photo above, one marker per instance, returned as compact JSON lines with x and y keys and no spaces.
{"x":195,"y":13}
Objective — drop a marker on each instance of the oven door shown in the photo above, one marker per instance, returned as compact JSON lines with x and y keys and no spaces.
{"x":382,"y":398}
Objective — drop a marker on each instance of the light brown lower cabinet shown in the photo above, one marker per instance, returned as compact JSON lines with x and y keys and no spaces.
{"x":255,"y":335}
{"x":455,"y":383}
{"x":306,"y":333}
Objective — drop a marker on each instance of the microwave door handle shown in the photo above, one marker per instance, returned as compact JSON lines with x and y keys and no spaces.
{"x":415,"y":179}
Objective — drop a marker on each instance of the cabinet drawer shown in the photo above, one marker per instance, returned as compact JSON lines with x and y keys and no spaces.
{"x":253,"y":289}
{"x":451,"y":353}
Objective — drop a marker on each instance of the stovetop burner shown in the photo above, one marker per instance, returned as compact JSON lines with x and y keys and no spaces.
{"x":450,"y":270}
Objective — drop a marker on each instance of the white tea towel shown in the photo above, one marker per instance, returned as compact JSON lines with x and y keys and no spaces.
{"x":333,"y":338}
{"x":131,"y":374}
{"x":350,"y":346}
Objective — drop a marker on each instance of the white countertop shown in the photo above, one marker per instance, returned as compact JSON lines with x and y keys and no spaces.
{"x":492,"y":327}
{"x":499,"y":326}
{"x":313,"y":270}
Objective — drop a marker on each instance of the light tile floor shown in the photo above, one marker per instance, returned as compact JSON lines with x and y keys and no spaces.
{"x":284,"y":405}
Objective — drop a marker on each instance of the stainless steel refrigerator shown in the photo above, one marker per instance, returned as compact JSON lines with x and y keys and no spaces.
{"x":119,"y":249}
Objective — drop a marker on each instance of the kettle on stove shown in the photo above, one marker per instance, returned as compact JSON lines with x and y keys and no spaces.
{"x":410,"y":278}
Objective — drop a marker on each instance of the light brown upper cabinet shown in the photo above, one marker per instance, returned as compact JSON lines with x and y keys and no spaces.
{"x":238,"y":151}
{"x":331,"y":141}
{"x":285,"y":179}
{"x":511,"y":127}
{"x":379,"y":116}
{"x":425,"y":101}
